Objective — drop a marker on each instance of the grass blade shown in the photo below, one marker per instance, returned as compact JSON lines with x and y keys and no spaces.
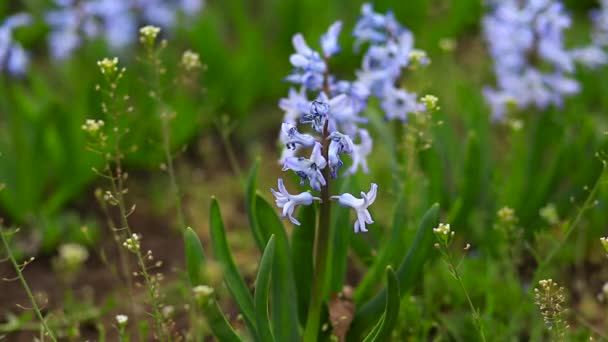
{"x":218,"y":323}
{"x":232,"y":278}
{"x":407,"y":274}
{"x":284,"y":307}
{"x":302,"y":245}
{"x":250,"y":205}
{"x":383,"y":329}
{"x":195,"y":257}
{"x":386,"y":254}
{"x":262,"y":289}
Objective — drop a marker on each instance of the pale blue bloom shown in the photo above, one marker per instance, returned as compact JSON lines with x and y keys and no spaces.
{"x":360,"y":205}
{"x":329,"y":40}
{"x":306,"y":169}
{"x":398,"y":103}
{"x":360,"y":152}
{"x":294,"y":138}
{"x":293,"y":105}
{"x":13,"y":56}
{"x":531,"y":63}
{"x":308,"y":64}
{"x":374,"y":27}
{"x":340,"y":143}
{"x":599,"y":17}
{"x":288,"y":202}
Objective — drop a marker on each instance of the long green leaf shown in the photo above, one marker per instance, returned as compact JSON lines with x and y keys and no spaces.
{"x":383,"y":329}
{"x":385,"y":255}
{"x":218,"y":323}
{"x":284,"y":307}
{"x":302,"y":245}
{"x":250,"y":205}
{"x":408,"y":273}
{"x":195,"y":261}
{"x":262,"y":289}
{"x":195,"y":257}
{"x":232,"y":278}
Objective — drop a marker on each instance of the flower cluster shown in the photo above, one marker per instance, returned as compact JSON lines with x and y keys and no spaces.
{"x":335,"y":114}
{"x":72,"y":22}
{"x":551,"y":300}
{"x":599,"y":17}
{"x":13,"y":57}
{"x":531,"y":63}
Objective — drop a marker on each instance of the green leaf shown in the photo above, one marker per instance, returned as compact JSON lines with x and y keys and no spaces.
{"x":408,"y":273}
{"x":382,"y":330}
{"x":342,"y":233}
{"x":262,"y":289}
{"x":195,"y":257}
{"x":472,"y":180}
{"x":284,"y":307}
{"x":386,"y":254}
{"x":220,"y":327}
{"x":302,"y":246}
{"x":250,"y":205}
{"x":232,"y":278}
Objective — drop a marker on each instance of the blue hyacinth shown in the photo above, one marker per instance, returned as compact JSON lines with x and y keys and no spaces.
{"x":532,"y":64}
{"x":13,"y":57}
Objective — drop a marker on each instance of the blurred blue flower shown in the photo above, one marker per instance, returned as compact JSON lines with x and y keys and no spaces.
{"x":531,"y":63}
{"x":360,"y":205}
{"x":329,"y":40}
{"x":398,"y":103}
{"x":288,"y":202}
{"x":308,"y":64}
{"x":360,"y":152}
{"x":13,"y":56}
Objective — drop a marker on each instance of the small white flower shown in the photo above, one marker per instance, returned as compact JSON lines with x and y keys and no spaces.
{"x":289,"y":202}
{"x":360,"y":205}
{"x":122,"y":319}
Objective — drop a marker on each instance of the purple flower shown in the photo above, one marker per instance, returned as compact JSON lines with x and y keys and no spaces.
{"x":360,"y":152}
{"x":294,"y":138}
{"x":13,"y":56}
{"x":306,"y":169}
{"x":360,"y":205}
{"x":309,"y":66}
{"x":340,"y":143}
{"x":329,"y":40}
{"x":398,"y":103}
{"x":288,"y":202}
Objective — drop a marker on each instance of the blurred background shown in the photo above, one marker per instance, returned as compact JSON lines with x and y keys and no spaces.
{"x":472,"y":168}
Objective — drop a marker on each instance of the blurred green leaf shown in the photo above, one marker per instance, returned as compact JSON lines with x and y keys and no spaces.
{"x":386,"y":253}
{"x":408,"y":273}
{"x":262,"y":289}
{"x":195,"y":257}
{"x":284,"y":307}
{"x":342,"y":233}
{"x":250,"y":205}
{"x":232,"y":278}
{"x":384,"y":327}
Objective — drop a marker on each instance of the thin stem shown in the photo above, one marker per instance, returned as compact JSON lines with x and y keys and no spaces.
{"x":475,"y":313}
{"x":322,"y":238}
{"x":171,"y":171}
{"x":25,"y":286}
{"x":571,"y":225}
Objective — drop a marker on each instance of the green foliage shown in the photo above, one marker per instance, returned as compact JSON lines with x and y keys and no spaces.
{"x":195,"y":257}
{"x":262,"y":291}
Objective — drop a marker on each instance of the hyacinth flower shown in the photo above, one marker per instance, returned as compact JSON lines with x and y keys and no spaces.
{"x":391,"y":50}
{"x":73,"y":22}
{"x":13,"y":56}
{"x":360,"y":206}
{"x":532,"y":65}
{"x":288,"y":202}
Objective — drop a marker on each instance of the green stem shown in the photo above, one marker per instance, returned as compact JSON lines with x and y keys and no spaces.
{"x":25,"y":286}
{"x":322,"y":238}
{"x":476,"y":316}
{"x":171,"y":170}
